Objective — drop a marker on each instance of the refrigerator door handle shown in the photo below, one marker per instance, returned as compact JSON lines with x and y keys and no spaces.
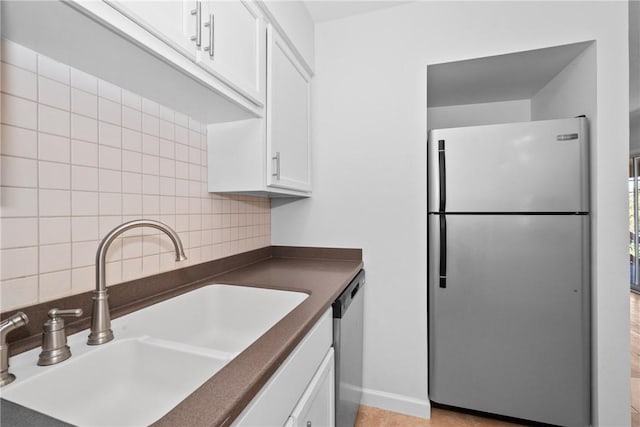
{"x":443,"y":251}
{"x":443,"y":176}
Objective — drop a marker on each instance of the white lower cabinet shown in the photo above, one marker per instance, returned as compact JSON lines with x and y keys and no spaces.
{"x":316,"y":407}
{"x":302,"y":389}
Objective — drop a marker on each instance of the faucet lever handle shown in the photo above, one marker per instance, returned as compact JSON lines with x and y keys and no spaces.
{"x":72,"y":312}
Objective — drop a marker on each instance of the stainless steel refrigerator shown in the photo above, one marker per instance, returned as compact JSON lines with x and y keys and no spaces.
{"x":509,"y":270}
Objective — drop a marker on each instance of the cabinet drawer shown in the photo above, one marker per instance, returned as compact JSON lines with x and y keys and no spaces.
{"x":316,"y":408}
{"x":277,"y":399}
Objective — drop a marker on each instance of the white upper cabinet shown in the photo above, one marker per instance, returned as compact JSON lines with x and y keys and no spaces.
{"x":288,"y":117}
{"x":233,"y":45}
{"x":171,"y":21}
{"x":226,"y":38}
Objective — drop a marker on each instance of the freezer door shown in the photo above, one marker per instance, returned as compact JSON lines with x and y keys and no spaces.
{"x":539,"y":166}
{"x":510,"y":334}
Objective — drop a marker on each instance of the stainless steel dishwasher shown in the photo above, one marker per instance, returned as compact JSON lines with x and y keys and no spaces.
{"x":348,"y":321}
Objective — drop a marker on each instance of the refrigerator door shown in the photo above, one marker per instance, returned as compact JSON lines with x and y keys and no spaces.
{"x":539,"y":166}
{"x":509,"y":332}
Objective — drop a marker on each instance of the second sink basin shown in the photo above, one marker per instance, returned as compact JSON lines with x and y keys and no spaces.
{"x":225,"y":318}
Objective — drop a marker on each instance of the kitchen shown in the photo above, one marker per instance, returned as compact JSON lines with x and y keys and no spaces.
{"x":368,"y":133}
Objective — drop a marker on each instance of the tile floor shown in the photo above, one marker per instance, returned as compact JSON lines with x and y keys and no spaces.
{"x":374,"y":417}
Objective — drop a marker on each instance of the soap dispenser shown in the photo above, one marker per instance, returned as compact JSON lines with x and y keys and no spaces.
{"x":54,"y":337}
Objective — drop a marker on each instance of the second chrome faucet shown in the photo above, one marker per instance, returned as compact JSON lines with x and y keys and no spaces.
{"x":101,"y":318}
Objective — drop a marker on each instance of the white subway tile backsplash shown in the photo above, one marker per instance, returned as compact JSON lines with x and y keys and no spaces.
{"x":83,"y":253}
{"x":131,"y":118}
{"x":167,"y":167}
{"x":84,"y":153}
{"x":132,"y":204}
{"x":110,"y":181}
{"x":53,"y":69}
{"x":109,"y":157}
{"x":131,"y":182}
{"x":150,"y":144}
{"x":53,"y":120}
{"x":150,"y":164}
{"x":167,"y":114}
{"x":150,"y":125}
{"x":19,"y":112}
{"x":54,"y":203}
{"x":83,"y":279}
{"x":109,"y":111}
{"x":18,"y":293}
{"x":55,"y":257}
{"x":55,"y":285}
{"x":83,"y":81}
{"x":19,"y":142}
{"x":18,"y":172}
{"x":18,"y":262}
{"x":109,"y":134}
{"x":84,"y":128}
{"x":167,"y":130}
{"x":114,"y":273}
{"x":150,"y":184}
{"x":19,"y":82}
{"x":54,"y":93}
{"x":54,"y":175}
{"x":102,"y":156}
{"x":55,"y":230}
{"x":109,"y":91}
{"x":18,"y":232}
{"x":53,"y":148}
{"x":84,"y":203}
{"x":18,"y":55}
{"x":150,"y":204}
{"x":110,"y":204}
{"x":84,"y":178}
{"x":18,"y":202}
{"x":84,"y":228}
{"x":84,"y":103}
{"x":131,"y":100}
{"x":131,"y":161}
{"x":150,"y":107}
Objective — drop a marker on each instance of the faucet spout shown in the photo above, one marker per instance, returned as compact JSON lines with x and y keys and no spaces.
{"x":101,"y":319}
{"x":12,"y":323}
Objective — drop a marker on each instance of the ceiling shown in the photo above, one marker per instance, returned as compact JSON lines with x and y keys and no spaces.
{"x":328,"y":10}
{"x":497,"y":78}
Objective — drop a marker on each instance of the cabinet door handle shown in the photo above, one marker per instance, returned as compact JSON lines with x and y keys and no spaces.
{"x":197,"y":12}
{"x":277,"y":159}
{"x":211,"y":26}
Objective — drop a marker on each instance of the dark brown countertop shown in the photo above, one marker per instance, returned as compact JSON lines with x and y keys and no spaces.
{"x":322,"y":273}
{"x":224,"y":396}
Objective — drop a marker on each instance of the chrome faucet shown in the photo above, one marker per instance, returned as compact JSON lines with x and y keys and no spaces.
{"x":12,"y":323}
{"x":101,"y":318}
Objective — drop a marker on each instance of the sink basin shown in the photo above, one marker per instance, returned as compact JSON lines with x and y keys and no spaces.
{"x":225,"y":318}
{"x":159,"y":356}
{"x":120,"y":383}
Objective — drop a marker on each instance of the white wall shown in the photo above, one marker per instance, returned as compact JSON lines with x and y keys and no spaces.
{"x":295,"y":20}
{"x":565,"y":95}
{"x":369,"y":171}
{"x":486,"y":113}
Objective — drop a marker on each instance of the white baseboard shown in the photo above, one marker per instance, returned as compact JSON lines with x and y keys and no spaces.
{"x":396,"y":403}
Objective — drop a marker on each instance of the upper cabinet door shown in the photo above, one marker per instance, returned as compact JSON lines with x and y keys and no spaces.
{"x":174,"y":21}
{"x":233,"y":46}
{"x":288,"y":117}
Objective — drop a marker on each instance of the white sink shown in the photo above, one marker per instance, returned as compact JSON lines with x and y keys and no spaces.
{"x":126,"y":382}
{"x":225,"y":318}
{"x":159,"y":356}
